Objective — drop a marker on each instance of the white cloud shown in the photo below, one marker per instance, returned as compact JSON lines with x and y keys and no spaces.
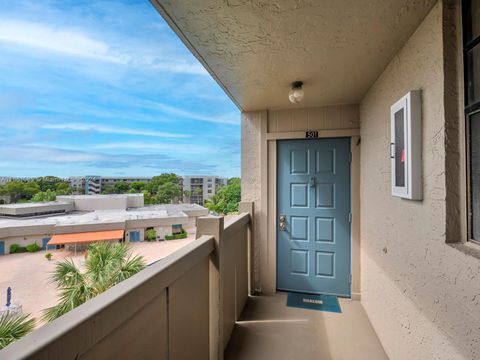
{"x":229,"y":119}
{"x":111,"y":130}
{"x":53,"y":156}
{"x":163,"y":147}
{"x":47,"y":154}
{"x":180,"y":67}
{"x":54,"y":39}
{"x":79,"y":44}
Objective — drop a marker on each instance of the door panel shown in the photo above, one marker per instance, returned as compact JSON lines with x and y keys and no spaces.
{"x":313,"y":253}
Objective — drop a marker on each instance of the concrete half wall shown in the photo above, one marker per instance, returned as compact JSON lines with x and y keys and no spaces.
{"x":421,"y":294}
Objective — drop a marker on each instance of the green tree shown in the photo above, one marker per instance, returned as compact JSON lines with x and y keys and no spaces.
{"x":108,"y":189}
{"x":121,"y":187}
{"x":30,"y":188}
{"x":150,"y":235}
{"x":162,"y":179}
{"x":226,"y":200}
{"x":164,"y":189}
{"x":63,"y":188}
{"x":21,"y":189}
{"x":107,"y":264}
{"x":14,"y":327}
{"x":49,"y":182}
{"x":138,"y":186}
{"x":187,"y":194}
{"x":147,"y":197}
{"x":44,"y":196}
{"x":167,"y":193}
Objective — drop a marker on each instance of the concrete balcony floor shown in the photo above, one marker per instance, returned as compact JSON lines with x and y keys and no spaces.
{"x":268,"y":329}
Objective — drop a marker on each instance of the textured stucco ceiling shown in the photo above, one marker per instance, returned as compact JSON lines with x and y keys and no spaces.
{"x":256,"y":48}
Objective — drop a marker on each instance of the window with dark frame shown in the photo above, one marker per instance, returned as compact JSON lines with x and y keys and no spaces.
{"x":471,"y":58}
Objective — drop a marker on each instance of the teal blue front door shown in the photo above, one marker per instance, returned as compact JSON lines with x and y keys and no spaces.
{"x":2,"y":248}
{"x":134,"y":236}
{"x":313,"y":216}
{"x":45,"y":245}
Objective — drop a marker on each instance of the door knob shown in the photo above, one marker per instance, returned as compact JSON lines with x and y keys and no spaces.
{"x":312,"y":181}
{"x":282,"y":223}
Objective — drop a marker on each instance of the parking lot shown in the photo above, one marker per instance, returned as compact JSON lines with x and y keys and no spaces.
{"x":28,"y":274}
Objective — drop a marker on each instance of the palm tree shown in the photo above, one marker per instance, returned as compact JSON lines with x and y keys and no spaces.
{"x":107,"y":264}
{"x":14,"y":327}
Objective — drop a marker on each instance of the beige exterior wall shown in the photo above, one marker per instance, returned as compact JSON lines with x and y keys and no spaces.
{"x":22,"y":241}
{"x":135,"y":200}
{"x":253,"y":181}
{"x":421,"y":294}
{"x":89,"y":203}
{"x":316,"y":118}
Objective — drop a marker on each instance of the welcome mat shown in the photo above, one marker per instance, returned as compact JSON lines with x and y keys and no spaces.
{"x":314,"y":302}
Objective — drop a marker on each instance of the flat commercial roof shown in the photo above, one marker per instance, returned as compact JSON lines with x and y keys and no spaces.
{"x":25,"y":209}
{"x":100,"y":220}
{"x":86,"y":237}
{"x":97,"y":196}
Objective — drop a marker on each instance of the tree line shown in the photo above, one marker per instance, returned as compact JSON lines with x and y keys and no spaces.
{"x":167,"y":189}
{"x":162,"y":189}
{"x":44,"y":188}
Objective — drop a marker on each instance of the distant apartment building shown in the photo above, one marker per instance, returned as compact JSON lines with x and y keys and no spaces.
{"x":94,"y":184}
{"x":6,"y":179}
{"x":197,"y":189}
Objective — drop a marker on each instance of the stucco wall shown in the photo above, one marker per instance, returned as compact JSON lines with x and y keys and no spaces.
{"x":254,"y":169}
{"x":421,"y":295}
{"x":22,"y":241}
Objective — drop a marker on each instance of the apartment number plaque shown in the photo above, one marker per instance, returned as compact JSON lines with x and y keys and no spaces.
{"x":311,"y":134}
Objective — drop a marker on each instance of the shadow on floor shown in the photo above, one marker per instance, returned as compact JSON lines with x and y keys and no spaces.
{"x":268,"y":329}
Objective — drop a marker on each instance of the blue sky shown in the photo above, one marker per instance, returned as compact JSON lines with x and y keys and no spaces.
{"x":107,"y":88}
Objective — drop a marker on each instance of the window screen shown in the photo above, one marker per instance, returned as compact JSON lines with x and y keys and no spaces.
{"x":475,"y":173}
{"x":471,"y":55}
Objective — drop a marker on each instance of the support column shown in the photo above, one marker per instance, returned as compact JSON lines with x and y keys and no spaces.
{"x":248,"y":207}
{"x":213,"y":225}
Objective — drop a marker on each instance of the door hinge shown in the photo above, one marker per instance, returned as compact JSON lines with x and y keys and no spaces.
{"x":350,"y":278}
{"x":349,"y":157}
{"x":349,"y":217}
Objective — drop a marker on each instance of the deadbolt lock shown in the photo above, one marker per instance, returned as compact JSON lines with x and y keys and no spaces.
{"x":283,"y":222}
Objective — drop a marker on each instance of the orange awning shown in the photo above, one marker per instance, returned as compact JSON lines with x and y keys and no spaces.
{"x":86,"y":237}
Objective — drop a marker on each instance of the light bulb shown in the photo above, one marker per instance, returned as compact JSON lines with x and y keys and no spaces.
{"x":296,"y":94}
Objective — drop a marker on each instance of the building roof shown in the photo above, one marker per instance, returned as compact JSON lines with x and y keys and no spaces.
{"x":32,"y":205}
{"x":86,"y":237}
{"x":188,"y":209}
{"x":26,"y":209}
{"x":84,"y":221}
{"x":98,"y":196}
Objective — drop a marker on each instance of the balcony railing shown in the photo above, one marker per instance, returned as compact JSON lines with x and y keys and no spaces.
{"x":181,"y":307}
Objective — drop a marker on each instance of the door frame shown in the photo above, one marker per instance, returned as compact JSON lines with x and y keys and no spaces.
{"x":349,"y":210}
{"x":270,"y":286}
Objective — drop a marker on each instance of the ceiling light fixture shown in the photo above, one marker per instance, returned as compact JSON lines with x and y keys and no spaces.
{"x":296,"y":94}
